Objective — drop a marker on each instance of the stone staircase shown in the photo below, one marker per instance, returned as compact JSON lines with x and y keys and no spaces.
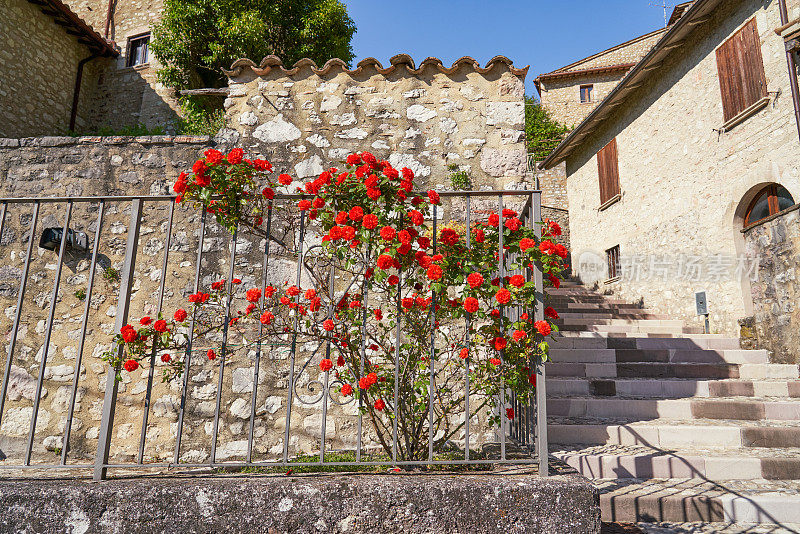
{"x":673,"y":424}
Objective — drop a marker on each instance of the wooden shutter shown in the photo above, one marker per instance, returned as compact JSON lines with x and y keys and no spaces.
{"x":741,"y":71}
{"x":608,"y":171}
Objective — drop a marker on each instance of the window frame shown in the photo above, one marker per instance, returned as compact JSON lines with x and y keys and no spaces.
{"x":613,"y":263}
{"x":608,"y":173}
{"x":772,"y":201}
{"x":590,"y":87}
{"x":130,"y":58}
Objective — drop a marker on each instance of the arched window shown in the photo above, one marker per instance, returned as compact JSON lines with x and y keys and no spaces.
{"x":769,"y":201}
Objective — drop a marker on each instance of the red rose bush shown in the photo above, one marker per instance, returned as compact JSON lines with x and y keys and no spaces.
{"x":380,"y":271}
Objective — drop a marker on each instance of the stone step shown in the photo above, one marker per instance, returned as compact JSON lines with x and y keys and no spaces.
{"x":739,"y":409}
{"x":674,"y":370}
{"x":745,"y":502}
{"x":607,"y":314}
{"x":624,"y":462}
{"x":658,"y":433}
{"x":672,"y":388}
{"x":591,"y":321}
{"x":657,"y":356}
{"x":630,"y":340}
{"x":634,"y":327}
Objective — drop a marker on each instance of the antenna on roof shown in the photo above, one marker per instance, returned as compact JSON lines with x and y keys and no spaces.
{"x":666,"y":7}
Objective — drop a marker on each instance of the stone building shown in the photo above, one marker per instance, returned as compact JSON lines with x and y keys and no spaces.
{"x":128,"y":92}
{"x":572,"y":92}
{"x":672,"y":176}
{"x":48,"y":70}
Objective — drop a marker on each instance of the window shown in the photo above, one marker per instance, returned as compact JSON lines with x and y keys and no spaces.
{"x":586,"y":93}
{"x":608,"y":171}
{"x":138,"y":53}
{"x":769,"y":201}
{"x":741,"y":71}
{"x":612,"y":256}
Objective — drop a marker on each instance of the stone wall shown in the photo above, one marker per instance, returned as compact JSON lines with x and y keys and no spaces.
{"x":561,"y":96}
{"x":38,"y":65}
{"x":775,"y":244}
{"x":308,"y":119}
{"x":684,"y":185}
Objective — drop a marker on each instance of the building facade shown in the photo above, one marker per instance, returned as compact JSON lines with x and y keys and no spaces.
{"x":572,"y":92}
{"x":695,"y":148}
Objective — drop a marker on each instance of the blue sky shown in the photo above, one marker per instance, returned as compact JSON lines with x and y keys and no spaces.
{"x":545,"y":34}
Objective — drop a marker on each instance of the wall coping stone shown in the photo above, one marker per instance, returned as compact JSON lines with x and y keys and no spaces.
{"x":53,"y":141}
{"x":387,"y":503}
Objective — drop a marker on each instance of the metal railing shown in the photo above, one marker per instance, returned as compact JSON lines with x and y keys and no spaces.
{"x":527,"y":432}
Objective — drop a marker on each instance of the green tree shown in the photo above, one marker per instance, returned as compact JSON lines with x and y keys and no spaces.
{"x":197,"y":38}
{"x":543,"y":133}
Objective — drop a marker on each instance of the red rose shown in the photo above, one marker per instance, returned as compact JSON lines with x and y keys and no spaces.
{"x":304,"y":205}
{"x":385,"y":262}
{"x":551,"y":313}
{"x":416,"y":217}
{"x":480,"y":235}
{"x":348,"y":233}
{"x":311,"y":294}
{"x":374,"y":194}
{"x":326,"y":365}
{"x":372,"y":378}
{"x":387,"y":233}
{"x":408,"y":174}
{"x":180,"y":186}
{"x":500,"y":343}
{"x":404,"y":237}
{"x":424,"y":242}
{"x":532,"y":380}
{"x":266,"y":318}
{"x":180,"y":315}
{"x":561,"y":251}
{"x":128,"y":333}
{"x":293,"y":291}
{"x":354,"y":159}
{"x":394,"y":280}
{"x":144,"y":321}
{"x":503,"y":296}
{"x":160,"y":326}
{"x":379,"y":405}
{"x":526,"y":243}
{"x":495,"y":361}
{"x":269,"y":291}
{"x":236,"y":281}
{"x":284,"y":179}
{"x":554,"y":280}
{"x":464,"y":354}
{"x":543,"y":327}
{"x":370,"y":221}
{"x":471,"y":304}
{"x":510,"y":413}
{"x":347,"y":390}
{"x":449,"y":236}
{"x":513,"y":224}
{"x":356,"y":213}
{"x":268,"y":193}
{"x":517,"y":280}
{"x":369,"y":158}
{"x":262,"y":165}
{"x":391,"y":173}
{"x":253,"y":295}
{"x":363,"y":383}
{"x":131,"y":365}
{"x":475,"y":280}
{"x":553,"y":228}
{"x":235,"y":156}
{"x":433,"y":197}
{"x":318,"y":203}
{"x":213,"y":157}
{"x":211,"y":354}
{"x":435,"y":272}
{"x":328,"y":325}
{"x":519,"y":335}
{"x":354,"y":305}
{"x":378,"y":315}
{"x":166,"y":358}
{"x":509,"y":213}
{"x":494,"y":220}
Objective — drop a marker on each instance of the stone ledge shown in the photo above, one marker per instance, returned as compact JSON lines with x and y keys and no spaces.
{"x":109,"y":140}
{"x":486,"y":503}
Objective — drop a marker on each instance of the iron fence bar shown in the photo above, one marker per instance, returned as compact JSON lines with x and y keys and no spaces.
{"x":49,"y":330}
{"x":3,"y":219}
{"x":501,"y":257}
{"x":468,"y":320}
{"x":257,"y":364}
{"x":363,"y":353}
{"x":290,"y":393}
{"x":17,"y":313}
{"x":396,"y":392}
{"x":223,"y":350}
{"x":432,"y":363}
{"x":541,"y":397}
{"x":82,"y":342}
{"x":326,"y":385}
{"x":188,"y":355}
{"x":123,"y":305}
{"x":152,"y":370}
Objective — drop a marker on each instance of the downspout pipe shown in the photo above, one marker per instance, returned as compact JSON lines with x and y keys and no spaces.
{"x":108,"y":17}
{"x":77,"y":92}
{"x":792,"y":69}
